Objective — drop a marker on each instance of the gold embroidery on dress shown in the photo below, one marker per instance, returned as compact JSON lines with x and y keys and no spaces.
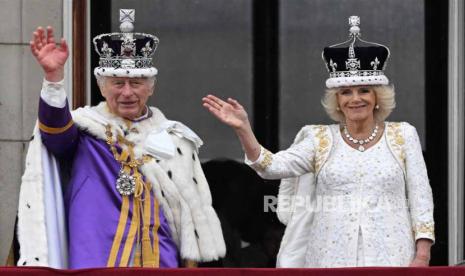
{"x":322,"y":147}
{"x":396,"y":140}
{"x":267,"y":159}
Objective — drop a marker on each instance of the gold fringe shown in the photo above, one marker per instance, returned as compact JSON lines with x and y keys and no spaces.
{"x":156,"y":226}
{"x":148,"y":258}
{"x":10,"y":261}
{"x":190,"y":264}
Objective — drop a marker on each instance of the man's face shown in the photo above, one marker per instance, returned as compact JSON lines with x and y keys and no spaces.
{"x":127,"y":97}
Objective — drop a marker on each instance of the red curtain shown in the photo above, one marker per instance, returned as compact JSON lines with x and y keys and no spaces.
{"x":383,"y":271}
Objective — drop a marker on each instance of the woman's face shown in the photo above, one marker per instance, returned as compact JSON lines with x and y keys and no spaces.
{"x":357,"y":102}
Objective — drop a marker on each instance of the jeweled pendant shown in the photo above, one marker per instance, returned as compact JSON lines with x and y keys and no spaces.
{"x":125,"y":184}
{"x":361,"y":148}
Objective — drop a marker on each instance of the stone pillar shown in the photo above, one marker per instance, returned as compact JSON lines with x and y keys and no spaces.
{"x":20,"y":83}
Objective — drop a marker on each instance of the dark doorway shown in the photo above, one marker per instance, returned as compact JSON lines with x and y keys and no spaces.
{"x":265,"y":91}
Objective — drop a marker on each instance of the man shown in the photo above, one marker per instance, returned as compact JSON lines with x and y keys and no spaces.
{"x":137,"y":195}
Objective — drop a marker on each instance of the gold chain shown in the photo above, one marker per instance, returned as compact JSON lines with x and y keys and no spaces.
{"x":133,"y":163}
{"x":128,"y":162}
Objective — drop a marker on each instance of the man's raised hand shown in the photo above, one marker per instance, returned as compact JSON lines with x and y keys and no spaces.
{"x":50,"y":57}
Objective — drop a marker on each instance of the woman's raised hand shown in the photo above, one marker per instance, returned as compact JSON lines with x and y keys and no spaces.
{"x":234,"y":115}
{"x":229,"y":112}
{"x":50,"y":57}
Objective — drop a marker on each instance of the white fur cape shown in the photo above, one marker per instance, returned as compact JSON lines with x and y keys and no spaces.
{"x":178,"y":184}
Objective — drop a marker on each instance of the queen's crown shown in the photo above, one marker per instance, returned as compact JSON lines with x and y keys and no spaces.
{"x":356,"y":61}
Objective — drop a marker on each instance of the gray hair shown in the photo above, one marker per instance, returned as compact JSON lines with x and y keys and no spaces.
{"x":385,"y":98}
{"x":102,"y":79}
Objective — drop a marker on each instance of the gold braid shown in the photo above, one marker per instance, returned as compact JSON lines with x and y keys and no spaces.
{"x":141,"y":211}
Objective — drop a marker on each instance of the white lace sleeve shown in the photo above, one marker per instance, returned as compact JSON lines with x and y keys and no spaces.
{"x":419,"y":191}
{"x":53,"y":93}
{"x":294,"y":161}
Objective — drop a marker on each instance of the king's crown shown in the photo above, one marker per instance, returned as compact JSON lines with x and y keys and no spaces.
{"x":125,"y":50}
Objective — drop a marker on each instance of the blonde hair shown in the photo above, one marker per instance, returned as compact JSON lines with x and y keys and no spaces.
{"x":385,"y":98}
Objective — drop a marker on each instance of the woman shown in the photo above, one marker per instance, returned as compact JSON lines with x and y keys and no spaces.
{"x":368,"y":176}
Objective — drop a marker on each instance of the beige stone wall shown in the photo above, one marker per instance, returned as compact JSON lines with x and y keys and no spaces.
{"x":20,"y":83}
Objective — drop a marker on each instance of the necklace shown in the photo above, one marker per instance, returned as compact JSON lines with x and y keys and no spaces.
{"x":128,"y":176}
{"x":361,"y":142}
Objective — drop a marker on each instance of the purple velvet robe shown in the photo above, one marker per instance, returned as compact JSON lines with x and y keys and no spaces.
{"x":91,"y":200}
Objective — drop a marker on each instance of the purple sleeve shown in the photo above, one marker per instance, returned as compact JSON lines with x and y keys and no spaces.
{"x":59,"y":133}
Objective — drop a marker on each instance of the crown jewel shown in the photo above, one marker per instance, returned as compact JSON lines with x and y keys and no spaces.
{"x":126,"y":53}
{"x":362,"y":62}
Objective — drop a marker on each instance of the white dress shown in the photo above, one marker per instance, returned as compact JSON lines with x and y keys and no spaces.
{"x":363,"y":217}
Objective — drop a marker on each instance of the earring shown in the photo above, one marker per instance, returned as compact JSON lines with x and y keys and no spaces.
{"x":338,"y":109}
{"x":377,"y":106}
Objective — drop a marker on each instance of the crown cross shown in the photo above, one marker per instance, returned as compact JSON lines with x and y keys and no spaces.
{"x":354,"y":22}
{"x":352,"y":64}
{"x":128,"y":47}
{"x":127,"y":15}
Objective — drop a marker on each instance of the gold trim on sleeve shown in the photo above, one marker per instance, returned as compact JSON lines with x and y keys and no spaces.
{"x":55,"y":130}
{"x":267,"y":159}
{"x":156,"y":226}
{"x":425,"y":228}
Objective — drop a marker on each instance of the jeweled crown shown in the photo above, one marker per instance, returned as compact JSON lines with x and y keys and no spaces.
{"x":126,"y":53}
{"x":356,"y":61}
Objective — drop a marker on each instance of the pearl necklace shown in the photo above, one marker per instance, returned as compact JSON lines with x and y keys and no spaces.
{"x":360,"y":142}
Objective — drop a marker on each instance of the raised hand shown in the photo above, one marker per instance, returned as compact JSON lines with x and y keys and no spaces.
{"x":49,"y":56}
{"x":229,"y":112}
{"x":234,"y":115}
